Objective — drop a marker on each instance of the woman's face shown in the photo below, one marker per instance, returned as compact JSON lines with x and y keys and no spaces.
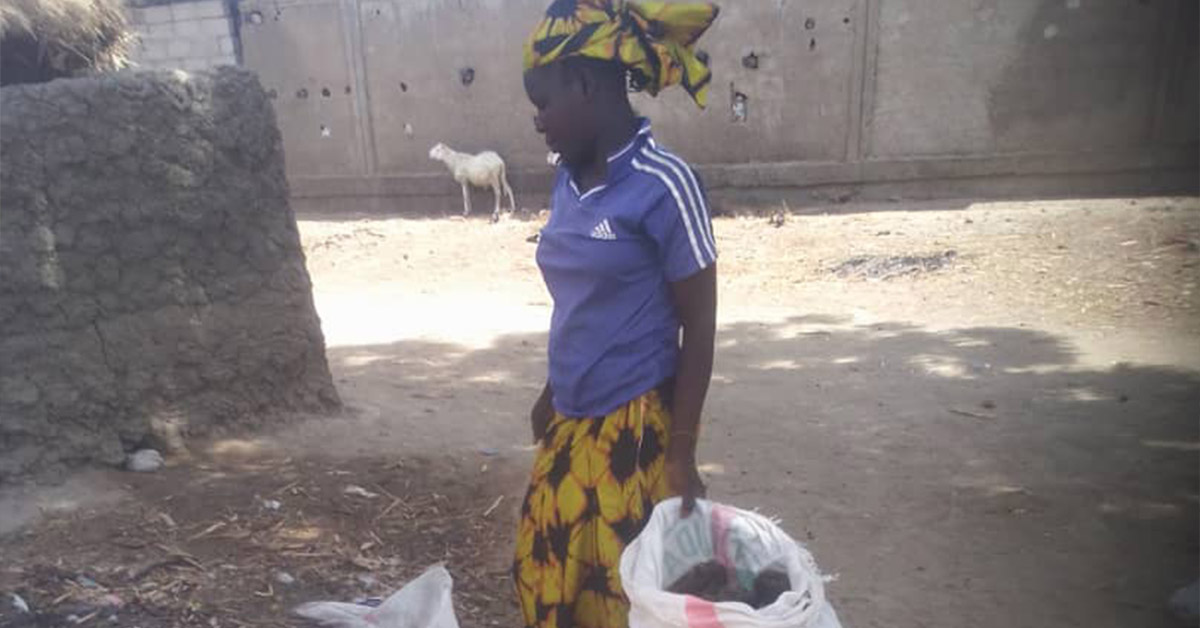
{"x":561,"y":112}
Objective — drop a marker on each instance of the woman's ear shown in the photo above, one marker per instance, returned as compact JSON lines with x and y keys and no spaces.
{"x":586,"y":82}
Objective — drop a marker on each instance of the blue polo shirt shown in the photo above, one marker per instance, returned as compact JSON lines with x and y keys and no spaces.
{"x":608,"y":256}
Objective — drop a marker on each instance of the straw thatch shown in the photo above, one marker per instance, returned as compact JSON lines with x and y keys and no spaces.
{"x":41,"y":40}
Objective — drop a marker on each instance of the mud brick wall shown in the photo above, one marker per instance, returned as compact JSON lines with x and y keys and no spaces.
{"x":150,"y":267}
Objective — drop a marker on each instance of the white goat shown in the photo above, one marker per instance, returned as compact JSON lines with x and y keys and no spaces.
{"x":483,"y":170}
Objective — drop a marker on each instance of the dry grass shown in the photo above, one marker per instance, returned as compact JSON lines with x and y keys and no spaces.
{"x":204,"y":543}
{"x":41,"y":40}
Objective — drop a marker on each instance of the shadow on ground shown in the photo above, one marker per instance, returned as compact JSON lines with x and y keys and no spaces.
{"x":985,"y":476}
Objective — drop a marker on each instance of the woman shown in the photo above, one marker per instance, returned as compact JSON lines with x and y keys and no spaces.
{"x":629,"y":258}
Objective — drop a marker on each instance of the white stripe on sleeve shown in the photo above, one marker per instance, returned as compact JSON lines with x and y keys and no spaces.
{"x":683,"y":211}
{"x":691,"y":174}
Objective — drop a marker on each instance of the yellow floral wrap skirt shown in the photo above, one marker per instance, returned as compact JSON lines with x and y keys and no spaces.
{"x":594,"y":484}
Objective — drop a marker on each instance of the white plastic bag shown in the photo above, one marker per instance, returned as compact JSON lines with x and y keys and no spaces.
{"x":745,"y":543}
{"x":422,"y":603}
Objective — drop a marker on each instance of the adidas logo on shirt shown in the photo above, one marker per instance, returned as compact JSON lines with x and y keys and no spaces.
{"x":603,"y":231}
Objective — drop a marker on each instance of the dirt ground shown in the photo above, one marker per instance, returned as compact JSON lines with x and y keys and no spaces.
{"x":974,"y":414}
{"x":241,"y":538}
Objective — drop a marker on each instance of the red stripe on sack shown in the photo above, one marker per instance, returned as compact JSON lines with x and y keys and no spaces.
{"x":720,"y":535}
{"x":700,"y":614}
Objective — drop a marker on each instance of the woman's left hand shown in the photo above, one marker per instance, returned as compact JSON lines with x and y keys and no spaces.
{"x":696,"y":303}
{"x":683,"y":478}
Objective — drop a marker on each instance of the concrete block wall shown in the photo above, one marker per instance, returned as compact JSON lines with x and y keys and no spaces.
{"x":877,"y":97}
{"x":190,"y":35}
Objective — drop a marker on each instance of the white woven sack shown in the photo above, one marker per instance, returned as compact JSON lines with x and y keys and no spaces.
{"x":743,"y":541}
{"x":422,"y":603}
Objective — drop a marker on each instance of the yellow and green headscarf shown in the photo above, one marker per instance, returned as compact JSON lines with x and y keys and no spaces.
{"x":654,"y":40}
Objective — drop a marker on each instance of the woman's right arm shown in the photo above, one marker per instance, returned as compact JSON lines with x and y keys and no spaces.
{"x":542,"y":412}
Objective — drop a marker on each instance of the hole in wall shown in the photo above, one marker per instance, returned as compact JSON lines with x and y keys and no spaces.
{"x":302,"y":93}
{"x":812,"y":44}
{"x":750,"y":61}
{"x":325,"y":132}
{"x":739,"y":105}
{"x":325,"y":92}
{"x":254,"y":17}
{"x":810,"y":24}
{"x":845,"y":20}
{"x":403,"y":86}
{"x":347,"y":90}
{"x":466,"y":76}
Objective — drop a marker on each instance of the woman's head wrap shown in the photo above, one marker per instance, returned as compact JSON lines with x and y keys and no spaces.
{"x":654,"y":41}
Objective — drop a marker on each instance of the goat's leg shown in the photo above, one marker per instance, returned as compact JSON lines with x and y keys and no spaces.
{"x":498,"y":195}
{"x":512,"y":202}
{"x":466,"y":200}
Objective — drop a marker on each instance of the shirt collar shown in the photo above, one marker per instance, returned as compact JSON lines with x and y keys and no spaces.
{"x":621,"y":155}
{"x":618,"y":161}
